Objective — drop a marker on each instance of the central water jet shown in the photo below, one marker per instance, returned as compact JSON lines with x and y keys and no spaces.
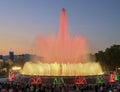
{"x":63,"y":48}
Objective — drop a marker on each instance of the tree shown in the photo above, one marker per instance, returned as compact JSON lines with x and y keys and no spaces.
{"x":19,"y":61}
{"x":110,"y":58}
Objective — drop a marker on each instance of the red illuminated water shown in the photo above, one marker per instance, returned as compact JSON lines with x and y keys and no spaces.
{"x":63,"y":48}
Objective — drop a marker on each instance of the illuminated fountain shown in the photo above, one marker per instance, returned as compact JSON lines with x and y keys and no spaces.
{"x":63,"y":55}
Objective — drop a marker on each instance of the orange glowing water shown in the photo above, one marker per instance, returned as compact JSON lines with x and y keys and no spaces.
{"x":63,"y":55}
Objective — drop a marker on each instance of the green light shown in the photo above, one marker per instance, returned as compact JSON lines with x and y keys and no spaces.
{"x":58,"y":81}
{"x":116,"y":77}
{"x":99,"y":80}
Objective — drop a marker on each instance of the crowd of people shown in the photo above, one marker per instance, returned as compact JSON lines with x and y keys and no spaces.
{"x":27,"y":87}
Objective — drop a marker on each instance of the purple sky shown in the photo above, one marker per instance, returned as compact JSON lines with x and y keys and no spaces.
{"x":22,"y":21}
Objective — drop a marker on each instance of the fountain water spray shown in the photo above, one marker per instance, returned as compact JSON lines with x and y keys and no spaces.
{"x":63,"y":55}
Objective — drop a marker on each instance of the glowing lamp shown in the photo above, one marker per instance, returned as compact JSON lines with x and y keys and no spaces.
{"x":11,"y":76}
{"x":99,"y":80}
{"x":36,"y":80}
{"x":80,"y":81}
{"x":16,"y":68}
{"x":112,"y":77}
{"x":58,"y":81}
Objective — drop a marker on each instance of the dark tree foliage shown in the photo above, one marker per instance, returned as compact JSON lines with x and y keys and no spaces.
{"x":19,"y":61}
{"x":110,"y":58}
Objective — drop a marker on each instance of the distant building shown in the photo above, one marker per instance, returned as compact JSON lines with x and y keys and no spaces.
{"x":27,"y":57}
{"x":24,"y":57}
{"x":6,"y":57}
{"x":11,"y":55}
{"x":21,"y":58}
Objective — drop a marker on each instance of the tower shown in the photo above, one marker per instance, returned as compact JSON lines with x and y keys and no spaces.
{"x":11,"y":55}
{"x":1,"y":56}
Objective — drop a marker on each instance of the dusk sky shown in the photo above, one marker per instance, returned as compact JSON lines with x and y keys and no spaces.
{"x":22,"y":21}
